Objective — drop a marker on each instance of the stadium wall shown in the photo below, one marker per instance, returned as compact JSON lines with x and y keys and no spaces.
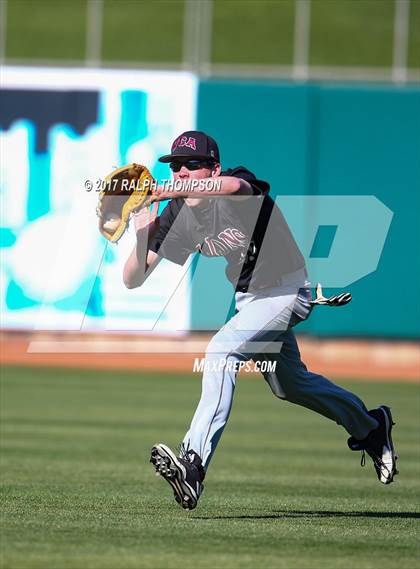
{"x":330,"y":140}
{"x":315,"y":144}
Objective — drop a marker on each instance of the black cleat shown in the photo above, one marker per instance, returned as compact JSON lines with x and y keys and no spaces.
{"x":185,"y":474}
{"x":378,"y":444}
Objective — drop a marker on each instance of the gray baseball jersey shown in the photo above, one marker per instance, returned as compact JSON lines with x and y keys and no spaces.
{"x":250,"y":233}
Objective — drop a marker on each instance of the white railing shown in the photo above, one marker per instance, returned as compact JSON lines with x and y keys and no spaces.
{"x":94,"y":25}
{"x":3,"y":26}
{"x":401,"y":32}
{"x":302,"y":32}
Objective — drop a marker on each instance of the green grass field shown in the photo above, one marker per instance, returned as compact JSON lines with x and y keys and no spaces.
{"x":283,"y":490}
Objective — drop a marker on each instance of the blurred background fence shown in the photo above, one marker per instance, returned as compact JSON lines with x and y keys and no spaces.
{"x":358,"y":39}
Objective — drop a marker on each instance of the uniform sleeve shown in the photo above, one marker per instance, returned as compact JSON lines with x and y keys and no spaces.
{"x":259,"y":187}
{"x":169,"y":241}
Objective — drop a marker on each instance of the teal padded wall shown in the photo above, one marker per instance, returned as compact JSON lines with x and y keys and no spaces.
{"x":327,"y":139}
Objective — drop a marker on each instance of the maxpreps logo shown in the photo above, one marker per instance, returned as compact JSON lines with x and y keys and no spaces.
{"x":202,"y":365}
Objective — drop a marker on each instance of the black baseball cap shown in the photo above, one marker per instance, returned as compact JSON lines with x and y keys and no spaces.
{"x":193,"y":145}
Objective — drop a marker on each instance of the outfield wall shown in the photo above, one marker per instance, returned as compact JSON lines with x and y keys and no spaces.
{"x":325,"y":148}
{"x":331,"y":140}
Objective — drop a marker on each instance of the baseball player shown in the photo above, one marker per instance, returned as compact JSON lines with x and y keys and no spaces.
{"x":232,"y":215}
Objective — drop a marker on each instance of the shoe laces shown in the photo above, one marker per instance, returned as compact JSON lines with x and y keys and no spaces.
{"x":185,"y":452}
{"x":188,"y":454}
{"x":377,"y":461}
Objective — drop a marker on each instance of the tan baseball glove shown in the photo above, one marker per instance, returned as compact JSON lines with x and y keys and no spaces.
{"x":125,"y":190}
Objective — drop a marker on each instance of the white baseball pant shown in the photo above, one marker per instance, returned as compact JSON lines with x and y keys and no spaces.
{"x":261,"y":330}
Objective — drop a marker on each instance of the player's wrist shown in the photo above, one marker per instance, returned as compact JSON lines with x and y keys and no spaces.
{"x":160,"y":193}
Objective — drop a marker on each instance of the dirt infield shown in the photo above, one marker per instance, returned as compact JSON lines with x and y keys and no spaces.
{"x":377,"y":360}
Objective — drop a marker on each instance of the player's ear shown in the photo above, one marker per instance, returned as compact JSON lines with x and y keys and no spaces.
{"x":215,"y":171}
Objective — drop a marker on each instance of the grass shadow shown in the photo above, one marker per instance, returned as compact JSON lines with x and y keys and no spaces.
{"x":284,"y":514}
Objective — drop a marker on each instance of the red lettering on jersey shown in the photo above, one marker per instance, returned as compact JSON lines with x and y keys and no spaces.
{"x":216,"y":247}
{"x":233,"y":238}
{"x":228,"y":239}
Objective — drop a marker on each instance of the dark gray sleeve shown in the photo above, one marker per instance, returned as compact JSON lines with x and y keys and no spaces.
{"x":259,"y":187}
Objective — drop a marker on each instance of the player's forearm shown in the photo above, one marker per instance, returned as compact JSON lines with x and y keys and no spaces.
{"x":210,"y":187}
{"x":136,"y":267}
